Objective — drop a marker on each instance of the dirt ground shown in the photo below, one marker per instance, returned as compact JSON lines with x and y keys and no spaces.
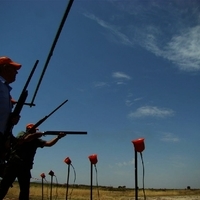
{"x":173,"y":198}
{"x":152,"y":198}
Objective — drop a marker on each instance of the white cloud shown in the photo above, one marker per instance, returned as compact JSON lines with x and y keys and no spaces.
{"x":100,"y":84}
{"x":151,"y":111}
{"x":128,"y":103}
{"x":169,"y":137}
{"x":121,"y":38}
{"x":121,"y":164}
{"x":120,"y":83}
{"x":175,"y":39}
{"x":121,"y":75}
{"x":138,"y":99}
{"x":182,"y":49}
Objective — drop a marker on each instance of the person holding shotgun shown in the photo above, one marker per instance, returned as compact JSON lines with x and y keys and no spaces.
{"x":21,"y":160}
{"x":8,"y":71}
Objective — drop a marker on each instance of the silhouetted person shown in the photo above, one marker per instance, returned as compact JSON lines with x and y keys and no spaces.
{"x":21,"y":159}
{"x":8,"y":71}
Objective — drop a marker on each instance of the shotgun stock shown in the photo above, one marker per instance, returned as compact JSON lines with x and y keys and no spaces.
{"x":66,"y":132}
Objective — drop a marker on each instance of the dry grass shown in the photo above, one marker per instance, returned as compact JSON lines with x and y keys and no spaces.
{"x":103,"y":193}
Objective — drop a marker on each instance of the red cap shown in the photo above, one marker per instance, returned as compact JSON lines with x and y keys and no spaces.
{"x":93,"y":158}
{"x":7,"y":61}
{"x":13,"y":101}
{"x":28,"y":126}
{"x":139,"y":144}
{"x":67,"y":161}
{"x":43,"y":175}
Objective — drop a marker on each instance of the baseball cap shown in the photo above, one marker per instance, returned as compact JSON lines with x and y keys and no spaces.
{"x":7,"y":61}
{"x":28,"y":126}
{"x":13,"y":101}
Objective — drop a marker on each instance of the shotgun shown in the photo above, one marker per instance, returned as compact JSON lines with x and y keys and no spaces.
{"x":66,"y":132}
{"x":53,"y":46}
{"x":20,"y":102}
{"x":8,"y":136}
{"x":47,"y":116}
{"x":16,"y":145}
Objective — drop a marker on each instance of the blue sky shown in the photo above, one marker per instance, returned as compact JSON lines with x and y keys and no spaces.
{"x":129,"y":69}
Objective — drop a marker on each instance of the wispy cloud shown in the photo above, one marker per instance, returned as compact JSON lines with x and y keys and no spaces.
{"x":183,"y":49}
{"x":120,"y":78}
{"x":138,"y":99}
{"x":151,"y":111}
{"x":121,"y":38}
{"x":125,"y":163}
{"x":121,"y":75}
{"x":174,"y":37}
{"x":100,"y":84}
{"x":120,"y":83}
{"x":169,"y":137}
{"x":129,"y":102}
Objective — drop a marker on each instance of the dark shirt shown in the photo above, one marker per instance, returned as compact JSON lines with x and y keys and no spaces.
{"x":5,"y":104}
{"x":26,"y":151}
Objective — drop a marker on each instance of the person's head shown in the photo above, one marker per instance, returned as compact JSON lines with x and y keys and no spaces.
{"x":29,"y":126}
{"x":8,"y":69}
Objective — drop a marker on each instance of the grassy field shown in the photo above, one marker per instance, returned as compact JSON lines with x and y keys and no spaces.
{"x":78,"y":192}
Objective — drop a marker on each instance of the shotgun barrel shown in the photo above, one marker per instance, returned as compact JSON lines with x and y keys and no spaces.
{"x":53,"y":46}
{"x":67,"y":132}
{"x":47,"y":116}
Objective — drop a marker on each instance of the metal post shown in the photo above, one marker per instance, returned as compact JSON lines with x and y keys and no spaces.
{"x":67,"y":187}
{"x":136,"y":177}
{"x":91,"y":183}
{"x":42,"y":189}
{"x":51,"y":188}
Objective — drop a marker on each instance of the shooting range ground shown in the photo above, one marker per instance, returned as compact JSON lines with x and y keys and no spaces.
{"x":82,"y":192}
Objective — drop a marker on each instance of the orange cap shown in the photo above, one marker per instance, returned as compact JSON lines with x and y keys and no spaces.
{"x":13,"y":101}
{"x":7,"y":61}
{"x":28,"y":126}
